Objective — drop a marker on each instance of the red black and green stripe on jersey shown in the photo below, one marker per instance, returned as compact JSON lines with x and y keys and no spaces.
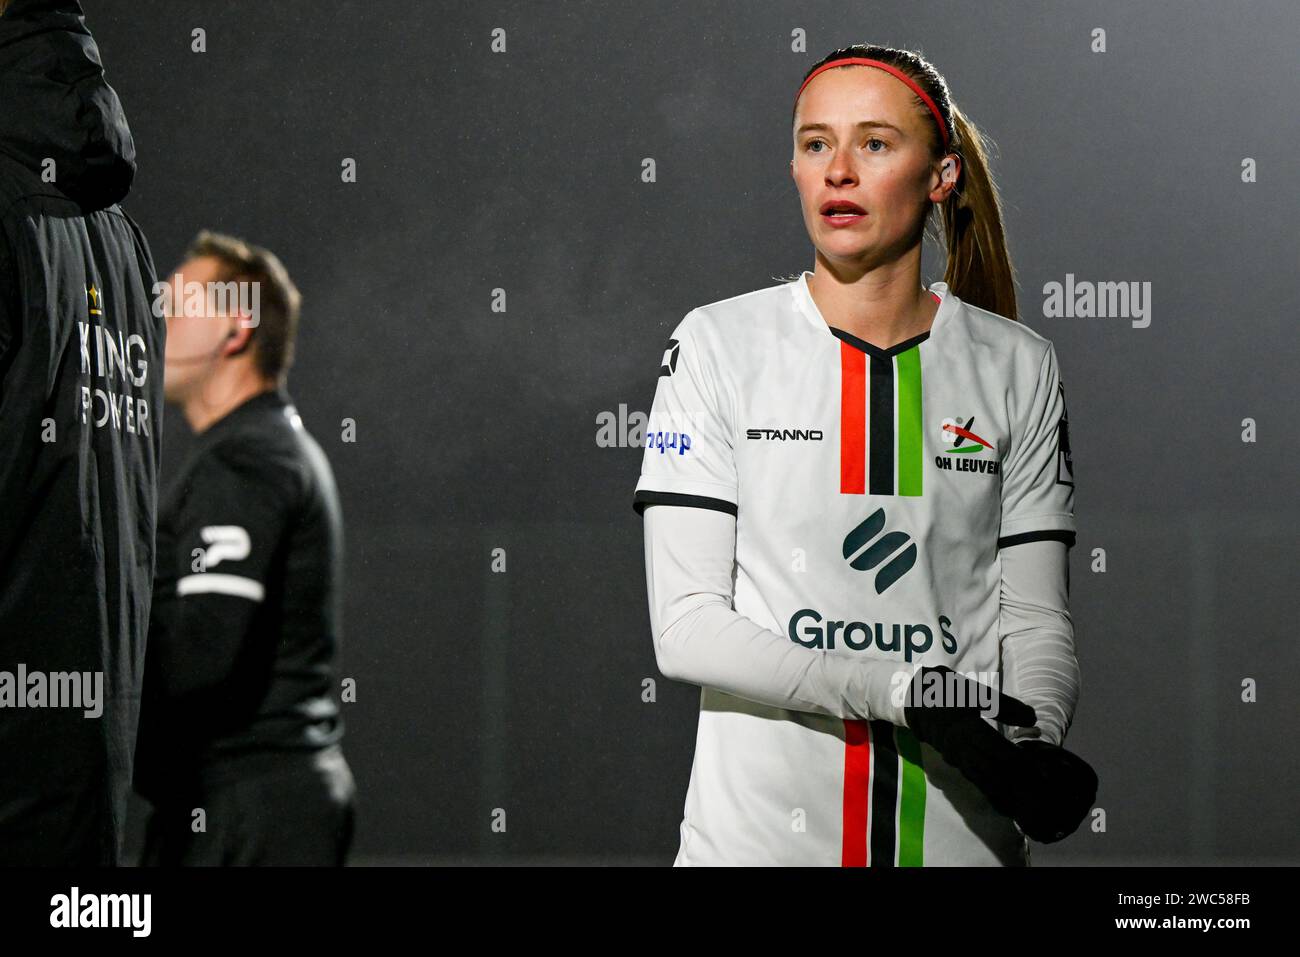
{"x":884,"y":782}
{"x":884,"y":797}
{"x":880,"y":400}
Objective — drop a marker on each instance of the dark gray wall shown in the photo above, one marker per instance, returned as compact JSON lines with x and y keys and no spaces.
{"x":477,"y":430}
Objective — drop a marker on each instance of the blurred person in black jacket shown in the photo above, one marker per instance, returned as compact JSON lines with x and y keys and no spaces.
{"x":81,"y":351}
{"x":239,"y":734}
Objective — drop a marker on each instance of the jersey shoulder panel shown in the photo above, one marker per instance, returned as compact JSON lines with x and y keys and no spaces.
{"x":1018,"y":366}
{"x":690,"y":433}
{"x":770,"y":304}
{"x":1005,"y":336}
{"x":1009,"y":352}
{"x":738,"y":329}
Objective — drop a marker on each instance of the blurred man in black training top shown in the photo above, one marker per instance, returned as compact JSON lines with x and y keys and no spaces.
{"x":80,"y":429}
{"x":239,"y":734}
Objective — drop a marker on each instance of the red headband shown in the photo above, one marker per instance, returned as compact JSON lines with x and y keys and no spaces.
{"x":864,"y":61}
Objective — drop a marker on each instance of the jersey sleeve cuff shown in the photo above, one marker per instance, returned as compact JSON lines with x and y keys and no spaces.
{"x":1014,"y":525}
{"x":720,"y":498}
{"x":1045,"y":526}
{"x":1038,"y":535}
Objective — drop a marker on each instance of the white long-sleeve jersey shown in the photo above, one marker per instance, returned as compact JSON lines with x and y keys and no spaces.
{"x":871,"y":512}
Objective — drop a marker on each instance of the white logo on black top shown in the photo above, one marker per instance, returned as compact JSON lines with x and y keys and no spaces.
{"x":225,"y":543}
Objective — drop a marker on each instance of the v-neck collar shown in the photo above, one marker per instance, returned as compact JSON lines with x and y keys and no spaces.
{"x":808,"y":309}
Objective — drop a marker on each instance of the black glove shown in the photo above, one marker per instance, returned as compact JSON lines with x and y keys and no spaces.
{"x":1056,"y":791}
{"x":1044,"y":788}
{"x":942,"y":710}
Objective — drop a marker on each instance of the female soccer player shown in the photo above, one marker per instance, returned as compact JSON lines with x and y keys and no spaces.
{"x":858,"y":503}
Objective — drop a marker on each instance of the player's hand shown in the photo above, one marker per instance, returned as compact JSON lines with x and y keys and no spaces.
{"x":939,"y":697}
{"x":942,"y":710}
{"x":1044,"y":788}
{"x":1056,"y":791}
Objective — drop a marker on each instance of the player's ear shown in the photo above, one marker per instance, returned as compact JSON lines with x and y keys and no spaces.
{"x":949,"y":173}
{"x":238,"y":338}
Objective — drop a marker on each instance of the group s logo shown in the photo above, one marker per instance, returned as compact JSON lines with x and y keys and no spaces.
{"x":866,"y":548}
{"x":891,"y":555}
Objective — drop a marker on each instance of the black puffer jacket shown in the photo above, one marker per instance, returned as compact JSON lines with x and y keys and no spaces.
{"x":81,"y":366}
